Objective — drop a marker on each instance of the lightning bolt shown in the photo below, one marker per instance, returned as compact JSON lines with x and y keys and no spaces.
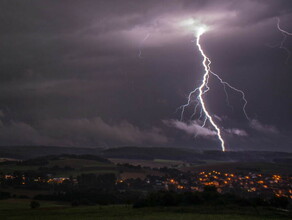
{"x":234,"y":89}
{"x":285,"y":34}
{"x":203,"y":88}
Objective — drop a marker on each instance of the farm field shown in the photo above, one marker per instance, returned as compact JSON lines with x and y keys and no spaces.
{"x":155,"y":163}
{"x":209,"y":165}
{"x":262,"y":167}
{"x":58,"y":166}
{"x":19,"y":209}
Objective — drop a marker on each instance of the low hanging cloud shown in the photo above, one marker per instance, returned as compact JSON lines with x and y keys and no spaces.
{"x":192,"y":128}
{"x":258,"y":126}
{"x":236,"y":131}
{"x":20,"y":133}
{"x":95,"y":130}
{"x":78,"y":132}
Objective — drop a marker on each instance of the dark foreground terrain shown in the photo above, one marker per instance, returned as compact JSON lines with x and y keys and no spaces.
{"x":19,"y":209}
{"x":144,"y":183}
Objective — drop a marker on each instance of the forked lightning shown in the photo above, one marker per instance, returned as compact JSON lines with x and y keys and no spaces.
{"x":203,"y":88}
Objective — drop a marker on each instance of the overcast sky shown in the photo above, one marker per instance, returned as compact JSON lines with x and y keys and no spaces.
{"x":113,"y":73}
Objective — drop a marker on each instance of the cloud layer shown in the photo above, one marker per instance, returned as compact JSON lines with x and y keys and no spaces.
{"x":79,"y":132}
{"x":193,"y":128}
{"x":269,"y":129}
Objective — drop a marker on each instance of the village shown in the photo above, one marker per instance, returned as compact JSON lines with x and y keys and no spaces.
{"x":245,"y":185}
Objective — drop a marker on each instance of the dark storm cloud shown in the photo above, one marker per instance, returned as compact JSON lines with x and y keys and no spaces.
{"x":80,"y":132}
{"x":74,"y":66}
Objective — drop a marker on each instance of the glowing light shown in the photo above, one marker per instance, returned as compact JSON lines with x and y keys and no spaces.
{"x":194,"y":26}
{"x":203,"y":88}
{"x":201,"y":30}
{"x":188,"y":22}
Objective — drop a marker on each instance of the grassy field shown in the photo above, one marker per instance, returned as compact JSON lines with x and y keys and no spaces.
{"x":10,"y":168}
{"x":81,"y":166}
{"x":97,"y":170}
{"x":155,"y":163}
{"x":77,"y":163}
{"x":23,"y":192}
{"x":261,"y":167}
{"x":19,"y":209}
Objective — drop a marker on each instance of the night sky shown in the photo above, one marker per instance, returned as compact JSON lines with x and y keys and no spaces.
{"x":113,"y":73}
